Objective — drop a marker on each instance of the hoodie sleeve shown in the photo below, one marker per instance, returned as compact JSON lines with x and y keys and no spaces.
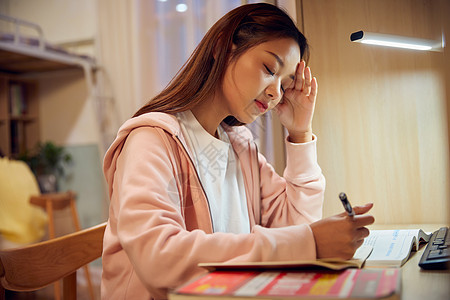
{"x":297,"y":197}
{"x":146,"y":223}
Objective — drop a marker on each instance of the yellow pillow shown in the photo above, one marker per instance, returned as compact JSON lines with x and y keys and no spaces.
{"x":20,"y":222}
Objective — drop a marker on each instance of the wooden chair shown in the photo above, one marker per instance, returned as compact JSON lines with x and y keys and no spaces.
{"x":59,"y":201}
{"x":35,"y":266}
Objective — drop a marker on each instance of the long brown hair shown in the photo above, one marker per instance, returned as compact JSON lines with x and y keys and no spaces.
{"x":245,"y":26}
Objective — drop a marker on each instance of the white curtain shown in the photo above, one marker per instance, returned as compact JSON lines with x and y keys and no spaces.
{"x":141,"y":46}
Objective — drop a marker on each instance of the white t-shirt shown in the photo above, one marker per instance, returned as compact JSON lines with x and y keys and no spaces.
{"x":220,"y":175}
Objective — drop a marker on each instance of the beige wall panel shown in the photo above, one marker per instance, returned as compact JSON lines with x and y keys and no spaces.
{"x":442,"y":12}
{"x":381,"y":113}
{"x":63,"y":100}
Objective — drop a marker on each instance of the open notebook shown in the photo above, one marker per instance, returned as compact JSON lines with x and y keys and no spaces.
{"x":392,"y":248}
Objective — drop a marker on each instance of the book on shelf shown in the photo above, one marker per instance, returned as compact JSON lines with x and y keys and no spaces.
{"x":323,"y":284}
{"x":392,"y":248}
{"x":17,"y":102}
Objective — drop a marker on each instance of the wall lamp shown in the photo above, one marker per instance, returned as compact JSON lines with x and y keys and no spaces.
{"x":397,"y":41}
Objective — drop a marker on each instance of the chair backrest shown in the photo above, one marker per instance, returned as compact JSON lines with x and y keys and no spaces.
{"x":36,"y":266}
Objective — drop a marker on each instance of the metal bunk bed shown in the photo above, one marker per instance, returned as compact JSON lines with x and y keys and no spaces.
{"x":20,"y":55}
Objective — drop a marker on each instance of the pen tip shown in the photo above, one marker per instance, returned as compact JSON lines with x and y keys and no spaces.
{"x":342,"y":196}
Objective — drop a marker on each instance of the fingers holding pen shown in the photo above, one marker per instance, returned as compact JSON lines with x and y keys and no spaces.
{"x":361,"y":218}
{"x":359,"y":210}
{"x":340,"y":235}
{"x":359,"y":223}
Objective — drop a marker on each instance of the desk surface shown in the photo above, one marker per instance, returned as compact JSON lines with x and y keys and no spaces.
{"x":416,"y":283}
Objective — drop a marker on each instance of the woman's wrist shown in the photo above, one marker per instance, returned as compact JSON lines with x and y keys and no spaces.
{"x":300,"y":137}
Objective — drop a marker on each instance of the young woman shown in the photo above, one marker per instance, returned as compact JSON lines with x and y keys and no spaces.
{"x":186,"y":182}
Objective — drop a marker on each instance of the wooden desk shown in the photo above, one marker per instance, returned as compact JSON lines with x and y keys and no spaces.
{"x":416,"y":283}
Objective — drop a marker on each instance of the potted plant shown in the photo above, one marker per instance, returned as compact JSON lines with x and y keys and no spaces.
{"x":48,"y":162}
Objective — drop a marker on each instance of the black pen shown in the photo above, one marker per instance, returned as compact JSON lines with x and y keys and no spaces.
{"x":347,"y":206}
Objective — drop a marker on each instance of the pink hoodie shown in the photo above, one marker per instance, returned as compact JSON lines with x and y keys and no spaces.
{"x":160,"y":227}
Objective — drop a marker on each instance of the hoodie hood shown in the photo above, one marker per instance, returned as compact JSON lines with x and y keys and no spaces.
{"x":240,"y":137}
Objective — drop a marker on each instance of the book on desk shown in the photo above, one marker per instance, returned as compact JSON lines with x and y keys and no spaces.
{"x":307,"y":284}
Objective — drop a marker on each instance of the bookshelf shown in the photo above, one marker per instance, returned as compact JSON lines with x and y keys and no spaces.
{"x":19,"y":115}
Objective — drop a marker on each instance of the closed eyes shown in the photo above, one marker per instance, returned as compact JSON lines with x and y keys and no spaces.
{"x":269,"y":71}
{"x":271,"y":74}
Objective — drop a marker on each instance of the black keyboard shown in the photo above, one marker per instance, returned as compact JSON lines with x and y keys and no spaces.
{"x":436,"y":255}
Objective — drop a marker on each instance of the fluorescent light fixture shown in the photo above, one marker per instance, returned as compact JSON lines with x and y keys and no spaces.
{"x":397,"y":41}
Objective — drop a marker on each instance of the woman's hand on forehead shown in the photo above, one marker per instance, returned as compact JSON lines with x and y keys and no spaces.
{"x":296,"y":109}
